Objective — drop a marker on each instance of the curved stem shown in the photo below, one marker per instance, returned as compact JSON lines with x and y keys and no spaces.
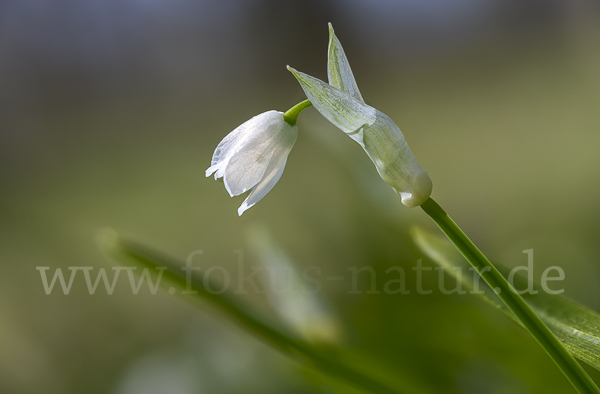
{"x":291,"y":115}
{"x":536,"y":327}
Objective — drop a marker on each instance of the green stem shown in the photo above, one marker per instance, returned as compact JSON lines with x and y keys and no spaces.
{"x":536,"y":327}
{"x":291,"y":115}
{"x":127,"y":251}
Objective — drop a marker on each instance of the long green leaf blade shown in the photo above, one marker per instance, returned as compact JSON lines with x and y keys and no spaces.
{"x":326,"y":362}
{"x":576,"y":326}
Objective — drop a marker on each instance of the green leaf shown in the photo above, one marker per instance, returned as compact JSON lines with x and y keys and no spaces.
{"x":576,"y":326}
{"x":305,"y":311}
{"x":329,"y":361}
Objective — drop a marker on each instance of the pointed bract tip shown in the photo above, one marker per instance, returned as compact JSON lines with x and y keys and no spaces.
{"x":331,"y":31}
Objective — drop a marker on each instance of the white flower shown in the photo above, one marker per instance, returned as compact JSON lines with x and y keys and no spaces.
{"x":340,"y":102}
{"x":253,"y":156}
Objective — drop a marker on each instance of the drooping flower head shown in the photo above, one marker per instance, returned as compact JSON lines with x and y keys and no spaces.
{"x":341,"y":103}
{"x":253,"y":156}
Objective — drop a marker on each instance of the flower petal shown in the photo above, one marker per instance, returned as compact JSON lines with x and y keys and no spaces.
{"x":251,"y":161}
{"x":338,"y":68}
{"x":271,"y":175}
{"x":261,"y":189}
{"x":237,"y":138}
{"x":247,"y":167}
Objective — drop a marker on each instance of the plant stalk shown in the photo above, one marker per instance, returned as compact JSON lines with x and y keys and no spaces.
{"x":536,"y":327}
{"x":291,"y":115}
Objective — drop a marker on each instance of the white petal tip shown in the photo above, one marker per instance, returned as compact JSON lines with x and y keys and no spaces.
{"x":216,"y":169}
{"x":243,"y":208}
{"x":228,"y":189}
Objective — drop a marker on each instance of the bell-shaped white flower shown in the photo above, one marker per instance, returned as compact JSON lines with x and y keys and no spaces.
{"x":341,"y":103}
{"x":253,"y":156}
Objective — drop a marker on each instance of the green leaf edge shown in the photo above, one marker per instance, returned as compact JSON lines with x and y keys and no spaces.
{"x":325,"y":361}
{"x":576,"y":326}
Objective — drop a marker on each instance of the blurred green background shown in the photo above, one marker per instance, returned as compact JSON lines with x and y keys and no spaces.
{"x":110,"y":111}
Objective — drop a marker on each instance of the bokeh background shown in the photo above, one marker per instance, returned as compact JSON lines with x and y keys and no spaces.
{"x":110,"y":111}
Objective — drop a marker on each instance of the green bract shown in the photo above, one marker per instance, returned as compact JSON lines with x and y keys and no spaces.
{"x":338,"y":69}
{"x":341,"y":103}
